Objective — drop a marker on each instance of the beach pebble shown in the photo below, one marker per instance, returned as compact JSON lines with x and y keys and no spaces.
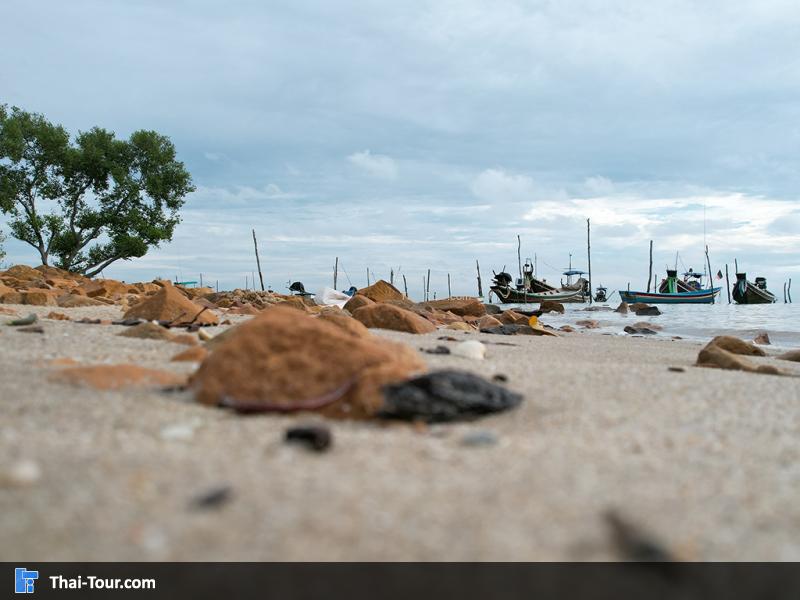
{"x":479,"y":438}
{"x":588,"y":324}
{"x":22,"y":473}
{"x":436,"y":350}
{"x":181,"y":432}
{"x":315,"y":437}
{"x":472,"y":349}
{"x":216,"y":497}
{"x":762,"y":339}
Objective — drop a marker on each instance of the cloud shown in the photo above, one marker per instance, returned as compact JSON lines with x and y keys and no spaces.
{"x":376,"y":165}
{"x":497,"y":186}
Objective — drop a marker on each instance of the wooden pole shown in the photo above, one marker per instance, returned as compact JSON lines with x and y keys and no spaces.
{"x":201,"y":280}
{"x":449,"y":294}
{"x":391,"y":276}
{"x":789,"y":290}
{"x":217,"y":286}
{"x":589,"y":255}
{"x":336,"y":274}
{"x":405,"y":285}
{"x":736,"y":266}
{"x":424,"y":294}
{"x":428,"y":287}
{"x":650,"y":271}
{"x":519,"y":255}
{"x":245,"y":283}
{"x":258,"y":264}
{"x":727,"y":283}
{"x":784,"y":292}
{"x":367,"y":276}
{"x":480,"y":284}
{"x":710,"y":277}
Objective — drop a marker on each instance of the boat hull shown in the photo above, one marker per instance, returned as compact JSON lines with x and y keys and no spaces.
{"x":511,"y":296}
{"x":696,"y":297}
{"x":750,"y":294}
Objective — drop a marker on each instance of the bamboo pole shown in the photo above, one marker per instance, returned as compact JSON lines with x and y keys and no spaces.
{"x":480,"y":284}
{"x":519,"y":255}
{"x":428,"y":287}
{"x":424,"y":295}
{"x":650,"y":271}
{"x":589,"y":255}
{"x":217,"y":286}
{"x":784,"y":292}
{"x":405,"y":285}
{"x":258,"y":263}
{"x":245,"y":283}
{"x":727,"y":283}
{"x":367,"y":276}
{"x":336,"y":274}
{"x":710,"y":277}
{"x":449,"y":295}
{"x":736,"y":266}
{"x":391,"y":276}
{"x":201,"y":280}
{"x":789,"y":290}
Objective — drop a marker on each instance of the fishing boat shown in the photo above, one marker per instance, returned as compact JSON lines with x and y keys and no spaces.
{"x":745,"y":292}
{"x":601,"y":295}
{"x":529,"y":289}
{"x":675,"y":291}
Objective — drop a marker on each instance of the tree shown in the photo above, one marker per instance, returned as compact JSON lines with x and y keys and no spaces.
{"x":91,"y":201}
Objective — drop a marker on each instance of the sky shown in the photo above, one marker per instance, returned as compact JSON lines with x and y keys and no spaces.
{"x":429,"y":134}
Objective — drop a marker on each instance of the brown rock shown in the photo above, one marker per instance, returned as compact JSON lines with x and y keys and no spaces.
{"x":509,"y":317}
{"x":386,"y":316}
{"x":357,"y":301}
{"x":283,"y":360}
{"x":193,"y":354}
{"x":39,"y":298}
{"x":551,"y":306}
{"x":298,"y":302}
{"x":57,"y":316}
{"x":49,"y":272}
{"x":459,"y":306}
{"x":147,"y":331}
{"x":648,"y":325}
{"x":145,"y":288}
{"x":74,"y":301}
{"x":567,"y":328}
{"x":488,"y":321}
{"x":381,"y":291}
{"x":168,"y":304}
{"x":23,"y":273}
{"x":244,"y":310}
{"x":345,"y":323}
{"x":8,"y":311}
{"x":622,"y":308}
{"x":195,"y":292}
{"x":459,"y":326}
{"x":106,"y":288}
{"x":763,"y":339}
{"x":187,"y":339}
{"x":719,"y":358}
{"x":11,"y":298}
{"x":114,"y":377}
{"x":736,"y":346}
{"x":793,"y":355}
{"x":4,"y":289}
{"x":588,"y":324}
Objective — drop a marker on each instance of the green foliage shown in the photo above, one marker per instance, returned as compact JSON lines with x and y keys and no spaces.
{"x":109,"y":199}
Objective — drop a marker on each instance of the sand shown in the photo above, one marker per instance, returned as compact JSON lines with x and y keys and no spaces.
{"x":708,"y":461}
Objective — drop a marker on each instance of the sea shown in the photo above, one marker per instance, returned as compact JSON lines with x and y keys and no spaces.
{"x":691,"y":321}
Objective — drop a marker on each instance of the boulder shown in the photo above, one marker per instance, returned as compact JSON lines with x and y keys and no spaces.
{"x":762,"y":339}
{"x":346,"y":324}
{"x":145,"y":288}
{"x":492,"y":309}
{"x":49,"y":272}
{"x":509,"y":317}
{"x":356,"y":302}
{"x":588,"y":324}
{"x":458,"y":306}
{"x":551,"y":306}
{"x":284,"y":361}
{"x":622,"y":308}
{"x":487,"y":322}
{"x":76,"y":301}
{"x":39,"y":298}
{"x":106,"y":288}
{"x":647,"y":311}
{"x":719,"y":358}
{"x":168,"y":304}
{"x":386,"y":316}
{"x":23,"y":273}
{"x":11,"y":297}
{"x":381,"y":291}
{"x":193,"y":354}
{"x":736,"y":346}
{"x":793,"y":355}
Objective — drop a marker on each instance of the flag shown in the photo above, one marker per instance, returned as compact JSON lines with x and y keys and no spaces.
{"x":719,"y":274}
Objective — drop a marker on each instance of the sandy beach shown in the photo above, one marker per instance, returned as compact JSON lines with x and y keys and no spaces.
{"x":705,"y":460}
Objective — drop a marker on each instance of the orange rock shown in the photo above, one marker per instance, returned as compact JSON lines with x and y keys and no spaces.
{"x":459,"y":306}
{"x":381,"y":291}
{"x":736,"y":346}
{"x":348,"y":324}
{"x":49,"y":272}
{"x":386,"y":316}
{"x":460,"y":326}
{"x":168,"y":304}
{"x":717,"y":357}
{"x":488,"y":321}
{"x":114,"y":377}
{"x":509,"y":317}
{"x":147,"y":331}
{"x":147,"y":287}
{"x":75,"y":300}
{"x":298,"y":302}
{"x":11,"y":298}
{"x":357,"y":301}
{"x":23,"y":273}
{"x":283,"y":360}
{"x":7,"y":311}
{"x":39,"y":298}
{"x":193,"y":354}
{"x":187,"y":339}
{"x":244,"y":310}
{"x":57,"y":316}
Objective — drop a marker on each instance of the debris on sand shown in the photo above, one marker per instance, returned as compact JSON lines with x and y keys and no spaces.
{"x":446,"y":396}
{"x":315,"y":437}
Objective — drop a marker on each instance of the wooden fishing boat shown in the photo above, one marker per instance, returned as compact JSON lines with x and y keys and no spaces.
{"x":745,"y":292}
{"x":674,"y":291}
{"x":509,"y":295}
{"x":529,"y":289}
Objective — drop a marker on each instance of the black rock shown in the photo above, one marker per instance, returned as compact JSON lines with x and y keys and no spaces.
{"x":446,"y":396}
{"x":436,"y":350}
{"x":642,"y":330}
{"x":493,"y":309}
{"x":507,"y":329}
{"x":649,"y":311}
{"x":317,"y":438}
{"x":213,"y":498}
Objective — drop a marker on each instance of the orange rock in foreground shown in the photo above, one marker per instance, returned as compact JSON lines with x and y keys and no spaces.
{"x":168,"y":304}
{"x":115,"y":377}
{"x":387,"y":316}
{"x":284,"y":360}
{"x":381,"y":291}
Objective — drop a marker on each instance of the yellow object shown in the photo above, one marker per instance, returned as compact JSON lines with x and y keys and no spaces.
{"x":533,"y":322}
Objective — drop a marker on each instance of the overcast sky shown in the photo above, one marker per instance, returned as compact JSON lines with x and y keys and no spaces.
{"x":421,"y":135}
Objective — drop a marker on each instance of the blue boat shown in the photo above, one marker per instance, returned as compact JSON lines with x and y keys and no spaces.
{"x":674,"y":291}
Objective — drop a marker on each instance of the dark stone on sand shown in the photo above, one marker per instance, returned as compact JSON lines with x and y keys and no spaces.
{"x":639,"y":329}
{"x":31,"y":329}
{"x":493,"y":309}
{"x":316,"y":437}
{"x":500,"y":377}
{"x":29,"y":320}
{"x":648,"y":311}
{"x":634,"y":544}
{"x":676,"y":369}
{"x":509,"y":329}
{"x":436,"y":350}
{"x":213,"y":498}
{"x":446,"y":396}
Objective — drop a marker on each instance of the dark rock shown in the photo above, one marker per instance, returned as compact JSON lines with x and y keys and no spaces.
{"x":648,"y":311}
{"x":32,"y":329}
{"x":500,"y":377}
{"x":29,"y":320}
{"x":214,"y":498}
{"x":676,"y":369}
{"x":547,"y":306}
{"x":634,"y":544}
{"x":316,"y":437}
{"x":436,"y":350}
{"x":510,"y":329}
{"x":445,"y":396}
{"x":493,"y":309}
{"x":639,"y":329}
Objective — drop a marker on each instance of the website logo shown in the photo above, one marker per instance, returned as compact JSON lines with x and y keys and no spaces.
{"x":24,"y":580}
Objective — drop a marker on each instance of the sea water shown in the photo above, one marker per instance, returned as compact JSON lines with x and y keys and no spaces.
{"x":692,"y":321}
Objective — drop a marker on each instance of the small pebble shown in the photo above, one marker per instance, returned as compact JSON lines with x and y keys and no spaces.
{"x":22,"y":473}
{"x":500,"y":377}
{"x":316,"y":437}
{"x":436,"y":350}
{"x":214,"y":498}
{"x":479,"y":438}
{"x":178,"y":432}
{"x":676,"y":369}
{"x":472,"y":349}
